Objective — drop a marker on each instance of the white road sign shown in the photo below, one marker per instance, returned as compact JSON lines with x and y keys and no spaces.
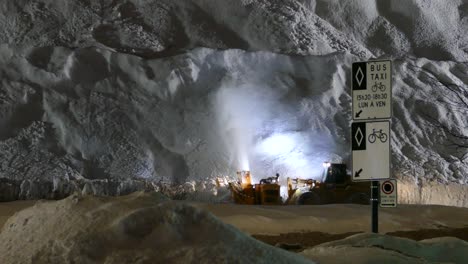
{"x":372,"y":90}
{"x":370,"y":150}
{"x":388,"y":193}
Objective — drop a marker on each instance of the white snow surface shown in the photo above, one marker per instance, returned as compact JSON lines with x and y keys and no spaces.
{"x":112,"y":96}
{"x":375,"y":248}
{"x":98,"y":114}
{"x":140,"y":228}
{"x":149,"y":228}
{"x":366,"y":28}
{"x":98,"y":95}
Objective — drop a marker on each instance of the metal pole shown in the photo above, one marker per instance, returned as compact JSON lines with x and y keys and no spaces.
{"x":375,"y":206}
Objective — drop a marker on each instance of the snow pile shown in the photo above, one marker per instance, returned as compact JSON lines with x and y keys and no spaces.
{"x":375,"y":248}
{"x":308,"y":27}
{"x":128,"y":118}
{"x":100,"y":115}
{"x":80,"y":112}
{"x":430,"y":29}
{"x":139,"y":228}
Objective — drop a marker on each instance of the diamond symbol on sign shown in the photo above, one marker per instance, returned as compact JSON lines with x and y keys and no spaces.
{"x":359,"y":136}
{"x":359,"y":76}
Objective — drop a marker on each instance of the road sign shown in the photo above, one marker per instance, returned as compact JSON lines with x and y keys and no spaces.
{"x":370,"y":150}
{"x":372,"y":90}
{"x":388,"y":193}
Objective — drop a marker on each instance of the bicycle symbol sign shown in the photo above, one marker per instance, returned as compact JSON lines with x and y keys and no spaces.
{"x":377,"y":135}
{"x":370,"y":142}
{"x":378,"y":86}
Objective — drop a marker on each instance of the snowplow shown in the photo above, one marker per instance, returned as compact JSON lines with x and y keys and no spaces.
{"x":267,"y":192}
{"x":335,"y":186}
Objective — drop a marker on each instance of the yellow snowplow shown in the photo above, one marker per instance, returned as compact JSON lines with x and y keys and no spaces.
{"x":336,"y":187}
{"x":267,"y":192}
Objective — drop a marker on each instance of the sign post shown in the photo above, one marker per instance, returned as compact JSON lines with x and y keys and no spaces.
{"x":370,"y":136}
{"x":375,"y":207}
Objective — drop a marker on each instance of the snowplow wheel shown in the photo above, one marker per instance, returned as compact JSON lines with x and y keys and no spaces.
{"x":309,"y":198}
{"x":359,"y":198}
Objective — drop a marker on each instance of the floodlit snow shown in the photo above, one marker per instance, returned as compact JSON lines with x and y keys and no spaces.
{"x":109,"y":97}
{"x":117,"y":116}
{"x":185,"y":91}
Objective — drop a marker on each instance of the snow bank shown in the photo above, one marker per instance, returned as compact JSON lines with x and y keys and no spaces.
{"x":430,"y":29}
{"x":78,"y":113}
{"x":396,"y":28}
{"x":103,"y":115}
{"x":139,"y":228}
{"x":375,"y":248}
{"x":450,"y":194}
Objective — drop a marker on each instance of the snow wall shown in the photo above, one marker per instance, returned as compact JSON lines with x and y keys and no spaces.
{"x":102,"y":97}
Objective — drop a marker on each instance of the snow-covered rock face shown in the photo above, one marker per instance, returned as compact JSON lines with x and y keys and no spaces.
{"x":96,"y":91}
{"x":432,"y":29}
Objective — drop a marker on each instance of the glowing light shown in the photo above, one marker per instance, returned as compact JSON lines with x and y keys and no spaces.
{"x":245,"y":177}
{"x":326,"y":164}
{"x":243,"y":159}
{"x":291,"y":154}
{"x":284,"y":192}
{"x":278,"y":144}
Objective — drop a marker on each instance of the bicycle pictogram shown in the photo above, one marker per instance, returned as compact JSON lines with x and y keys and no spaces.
{"x":377,"y":135}
{"x":379,"y":86}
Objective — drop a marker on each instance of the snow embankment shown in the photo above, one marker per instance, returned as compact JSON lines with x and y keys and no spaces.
{"x":395,"y":28}
{"x":450,"y":194}
{"x":430,"y":29}
{"x":100,"y":115}
{"x":139,"y":228}
{"x":375,"y":248}
{"x":147,"y":227}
